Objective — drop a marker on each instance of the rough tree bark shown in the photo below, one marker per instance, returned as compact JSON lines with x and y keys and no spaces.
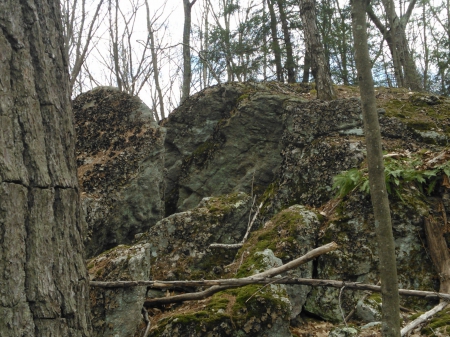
{"x":275,"y":45}
{"x":314,"y":49}
{"x":405,"y":69}
{"x":378,"y":192}
{"x":187,"y":71}
{"x":290,"y":64}
{"x":44,"y":283}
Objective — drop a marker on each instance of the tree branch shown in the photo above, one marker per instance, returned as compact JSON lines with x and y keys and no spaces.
{"x":422,"y":318}
{"x":376,"y":21}
{"x":269,"y":273}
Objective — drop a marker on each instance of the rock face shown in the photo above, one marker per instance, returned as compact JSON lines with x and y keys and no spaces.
{"x":223,"y":140}
{"x":117,"y":312}
{"x":43,"y":279}
{"x":233,"y":143}
{"x":182,"y":240}
{"x":120,"y":166}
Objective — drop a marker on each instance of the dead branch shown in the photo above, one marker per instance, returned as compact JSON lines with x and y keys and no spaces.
{"x":269,"y":273}
{"x":439,"y":252}
{"x":238,"y":245}
{"x":422,"y":318}
{"x":265,"y":280}
{"x":226,"y":245}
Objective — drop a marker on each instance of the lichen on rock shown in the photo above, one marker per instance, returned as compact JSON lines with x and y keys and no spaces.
{"x":120,"y":158}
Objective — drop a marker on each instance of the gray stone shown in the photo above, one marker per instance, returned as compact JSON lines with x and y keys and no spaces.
{"x":182,"y":240}
{"x":118,"y":311}
{"x":369,"y":310}
{"x":120,"y":155}
{"x":343,"y":332}
{"x":222,"y":140}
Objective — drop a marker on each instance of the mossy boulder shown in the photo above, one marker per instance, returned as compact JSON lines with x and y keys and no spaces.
{"x":369,"y":309}
{"x":352,"y":228}
{"x":247,"y":311}
{"x":117,"y":311}
{"x":179,"y":244}
{"x":224,"y":139}
{"x":438,"y":325}
{"x":120,"y":166}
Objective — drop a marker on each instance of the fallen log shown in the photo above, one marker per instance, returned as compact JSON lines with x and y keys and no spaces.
{"x":423,"y":318}
{"x":266,"y":280}
{"x":266,"y":274}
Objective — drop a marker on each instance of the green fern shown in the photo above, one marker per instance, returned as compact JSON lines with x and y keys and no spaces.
{"x":399,"y":173}
{"x":347,"y":181}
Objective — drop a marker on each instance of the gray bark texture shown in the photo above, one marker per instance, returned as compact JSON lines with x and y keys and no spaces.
{"x":187,"y":71}
{"x":44,"y":285}
{"x":314,"y":49}
{"x":378,"y":191}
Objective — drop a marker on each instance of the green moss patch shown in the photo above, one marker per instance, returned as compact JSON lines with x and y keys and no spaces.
{"x":439,"y":323}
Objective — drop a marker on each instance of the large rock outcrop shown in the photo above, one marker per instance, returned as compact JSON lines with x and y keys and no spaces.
{"x":120,"y":155}
{"x":233,"y":141}
{"x":224,"y":139}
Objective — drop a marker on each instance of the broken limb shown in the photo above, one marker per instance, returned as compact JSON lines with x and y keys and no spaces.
{"x":238,"y":245}
{"x":266,"y":274}
{"x":423,"y":318}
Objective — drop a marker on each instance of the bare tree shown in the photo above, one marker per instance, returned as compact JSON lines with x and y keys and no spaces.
{"x":187,"y":69}
{"x":378,"y":191}
{"x":275,"y":44}
{"x":405,"y":69}
{"x":290,"y":65}
{"x":314,"y":49}
{"x":79,"y":29}
{"x":155,"y":64}
{"x":129,"y":63}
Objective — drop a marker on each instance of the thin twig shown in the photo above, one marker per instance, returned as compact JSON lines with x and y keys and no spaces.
{"x":146,"y":320}
{"x":340,"y":305}
{"x":260,"y":289}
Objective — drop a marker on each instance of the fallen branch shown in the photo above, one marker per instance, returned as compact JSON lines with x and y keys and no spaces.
{"x":422,"y":318}
{"x":269,"y":273}
{"x":362,"y":299}
{"x":238,"y":245}
{"x":265,"y":280}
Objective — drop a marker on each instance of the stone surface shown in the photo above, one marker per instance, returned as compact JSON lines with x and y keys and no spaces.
{"x":343,"y":332}
{"x":369,"y":310}
{"x":237,"y":139}
{"x":179,"y":244}
{"x":117,"y":312}
{"x":120,"y":156}
{"x":223,"y":140}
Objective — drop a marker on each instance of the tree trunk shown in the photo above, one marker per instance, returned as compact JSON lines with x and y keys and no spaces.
{"x":290,"y":64}
{"x":114,"y":32}
{"x":380,"y":202}
{"x":155,"y":64}
{"x":439,"y":252}
{"x":44,"y":283}
{"x":275,"y":45}
{"x":405,"y":69}
{"x":306,"y":67}
{"x":314,"y":48}
{"x":187,"y":71}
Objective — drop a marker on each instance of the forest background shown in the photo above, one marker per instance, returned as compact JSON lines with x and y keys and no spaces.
{"x":137,"y":45}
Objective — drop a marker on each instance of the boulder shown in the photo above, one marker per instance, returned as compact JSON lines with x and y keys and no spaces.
{"x":117,"y":311}
{"x":234,"y":141}
{"x":179,"y":244}
{"x":120,"y":157}
{"x":224,"y":139}
{"x":343,"y":332}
